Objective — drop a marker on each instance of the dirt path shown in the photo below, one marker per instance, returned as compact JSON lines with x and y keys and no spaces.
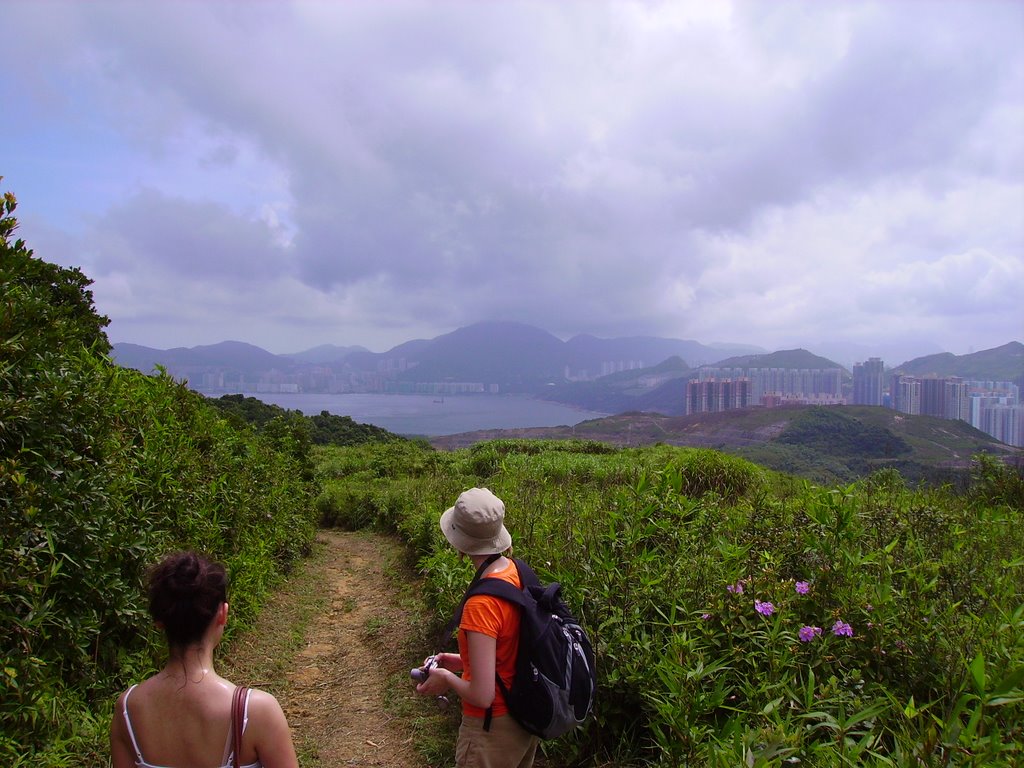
{"x":337,"y":676}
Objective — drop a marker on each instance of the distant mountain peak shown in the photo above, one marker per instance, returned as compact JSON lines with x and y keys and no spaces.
{"x":783,"y":358}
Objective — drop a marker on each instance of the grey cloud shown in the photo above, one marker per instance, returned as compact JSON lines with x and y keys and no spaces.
{"x":553,"y":163}
{"x":200,"y":240}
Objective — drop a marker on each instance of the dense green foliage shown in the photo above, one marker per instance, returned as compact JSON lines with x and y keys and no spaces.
{"x":102,"y":471}
{"x":741,"y":617}
{"x":841,"y":445}
{"x":322,"y":429}
{"x":834,"y":432}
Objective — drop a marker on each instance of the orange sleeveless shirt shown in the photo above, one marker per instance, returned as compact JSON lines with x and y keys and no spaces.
{"x":495,"y":618}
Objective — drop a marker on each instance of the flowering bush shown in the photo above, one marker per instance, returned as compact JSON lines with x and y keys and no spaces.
{"x":807,"y":634}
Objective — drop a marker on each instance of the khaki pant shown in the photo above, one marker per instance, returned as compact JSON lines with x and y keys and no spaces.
{"x":506,"y":745}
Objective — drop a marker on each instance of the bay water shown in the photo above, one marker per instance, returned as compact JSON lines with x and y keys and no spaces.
{"x":432,"y":415}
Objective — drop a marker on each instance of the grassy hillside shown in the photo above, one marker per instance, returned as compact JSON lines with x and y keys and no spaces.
{"x":837,"y":444}
{"x":741,"y":617}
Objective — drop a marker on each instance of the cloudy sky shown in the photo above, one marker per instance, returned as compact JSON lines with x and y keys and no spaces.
{"x":844,"y":177}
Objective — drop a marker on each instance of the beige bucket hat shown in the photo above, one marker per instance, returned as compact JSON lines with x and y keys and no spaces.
{"x":475,"y":525}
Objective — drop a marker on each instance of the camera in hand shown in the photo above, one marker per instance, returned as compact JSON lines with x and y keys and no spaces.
{"x":419,"y":674}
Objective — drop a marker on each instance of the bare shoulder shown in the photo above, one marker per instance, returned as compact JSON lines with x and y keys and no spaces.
{"x":265,"y":711}
{"x":262,"y":702}
{"x":270,"y":732}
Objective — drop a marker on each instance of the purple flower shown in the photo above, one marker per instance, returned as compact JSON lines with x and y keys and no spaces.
{"x":842,"y":628}
{"x":803,"y":587}
{"x":736,"y":589}
{"x":765,"y":609}
{"x":705,"y":616}
{"x":809,"y":633}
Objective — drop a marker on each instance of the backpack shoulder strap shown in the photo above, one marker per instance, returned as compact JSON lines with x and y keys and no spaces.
{"x":527,"y":577}
{"x":499,"y":588}
{"x":446,"y":633}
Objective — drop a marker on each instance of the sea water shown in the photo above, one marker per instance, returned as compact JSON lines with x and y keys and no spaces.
{"x":433,"y":415}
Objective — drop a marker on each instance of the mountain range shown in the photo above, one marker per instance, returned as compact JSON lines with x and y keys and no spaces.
{"x":640,"y":371}
{"x":511,"y":357}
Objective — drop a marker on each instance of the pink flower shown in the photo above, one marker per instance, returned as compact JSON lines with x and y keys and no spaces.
{"x":842,"y":628}
{"x":765,"y":609}
{"x":736,"y":589}
{"x":809,"y":633}
{"x":803,"y":587}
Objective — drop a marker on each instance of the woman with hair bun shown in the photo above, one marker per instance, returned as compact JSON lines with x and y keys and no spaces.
{"x":182,"y":716}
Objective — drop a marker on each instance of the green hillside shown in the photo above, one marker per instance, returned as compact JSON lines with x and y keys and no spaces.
{"x":837,"y":444}
{"x":1005,"y":363}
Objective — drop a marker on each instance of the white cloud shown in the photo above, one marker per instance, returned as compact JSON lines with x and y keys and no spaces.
{"x":780,"y":173}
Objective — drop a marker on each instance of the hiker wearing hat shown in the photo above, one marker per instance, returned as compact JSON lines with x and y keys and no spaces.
{"x":488,"y":641}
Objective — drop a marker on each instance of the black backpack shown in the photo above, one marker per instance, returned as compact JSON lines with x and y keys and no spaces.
{"x":556,"y":677}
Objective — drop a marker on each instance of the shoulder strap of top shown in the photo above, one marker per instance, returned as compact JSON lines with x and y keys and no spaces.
{"x":128,"y":723}
{"x":239,"y":719}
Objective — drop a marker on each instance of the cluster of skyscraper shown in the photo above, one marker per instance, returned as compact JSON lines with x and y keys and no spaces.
{"x":723,"y":389}
{"x":994,"y":407}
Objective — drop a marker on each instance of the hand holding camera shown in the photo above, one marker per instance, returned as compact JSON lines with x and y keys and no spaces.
{"x":420,"y":674}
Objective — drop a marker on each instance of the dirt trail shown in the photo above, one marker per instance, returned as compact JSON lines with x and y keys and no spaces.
{"x":335,"y":684}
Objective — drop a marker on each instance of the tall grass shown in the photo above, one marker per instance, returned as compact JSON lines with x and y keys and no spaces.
{"x":743,"y":617}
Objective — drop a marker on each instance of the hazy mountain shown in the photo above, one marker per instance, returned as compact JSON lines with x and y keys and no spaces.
{"x":514,"y":357}
{"x":848,"y":353}
{"x":784,"y":358}
{"x":521,"y":357}
{"x":137,"y":356}
{"x":325,"y":353}
{"x":1005,"y":363}
{"x":590,"y":353}
{"x":231,"y":355}
{"x":658,"y":388}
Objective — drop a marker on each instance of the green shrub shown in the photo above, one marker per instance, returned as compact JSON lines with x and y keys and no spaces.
{"x":653,"y":547}
{"x":102,"y":470}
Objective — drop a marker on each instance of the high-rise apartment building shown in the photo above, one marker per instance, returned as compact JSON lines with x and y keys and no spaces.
{"x":816,"y":385}
{"x":944,"y":398}
{"x":1004,"y":422}
{"x":715,"y":395}
{"x":905,"y":394}
{"x":995,"y":409}
{"x":867,"y":382}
